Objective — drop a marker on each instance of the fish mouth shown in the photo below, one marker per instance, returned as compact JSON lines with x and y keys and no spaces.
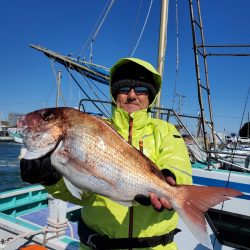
{"x":38,"y":143}
{"x":36,"y":154}
{"x":35,"y":149}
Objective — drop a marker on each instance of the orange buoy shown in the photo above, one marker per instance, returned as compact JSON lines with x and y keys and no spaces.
{"x":33,"y":247}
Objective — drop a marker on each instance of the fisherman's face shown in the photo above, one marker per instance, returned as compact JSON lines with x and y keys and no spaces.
{"x":132,"y":101}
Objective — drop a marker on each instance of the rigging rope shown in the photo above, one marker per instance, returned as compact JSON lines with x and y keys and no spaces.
{"x":87,"y":76}
{"x":44,"y":230}
{"x":241,"y":122}
{"x":91,"y":34}
{"x":177,"y":51}
{"x":136,"y":24}
{"x":230,"y":169}
{"x":87,"y":80}
{"x":85,"y":92}
{"x":149,"y":9}
{"x":96,"y":29}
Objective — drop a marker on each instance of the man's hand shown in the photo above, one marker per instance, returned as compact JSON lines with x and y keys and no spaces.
{"x":161,"y":203}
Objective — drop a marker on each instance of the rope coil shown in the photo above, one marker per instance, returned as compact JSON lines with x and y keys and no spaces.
{"x":51,"y":228}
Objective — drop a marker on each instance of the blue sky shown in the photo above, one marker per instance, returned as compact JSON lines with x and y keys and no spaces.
{"x":27,"y":78}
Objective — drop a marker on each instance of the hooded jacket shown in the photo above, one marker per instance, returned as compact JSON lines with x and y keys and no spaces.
{"x":164,"y":146}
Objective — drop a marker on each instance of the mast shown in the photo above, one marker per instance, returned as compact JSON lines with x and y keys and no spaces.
{"x":85,"y":68}
{"x":162,"y":45}
{"x":203,"y":85}
{"x":58,"y":82}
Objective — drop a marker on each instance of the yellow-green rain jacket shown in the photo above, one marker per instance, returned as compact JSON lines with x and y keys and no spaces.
{"x":163,"y":145}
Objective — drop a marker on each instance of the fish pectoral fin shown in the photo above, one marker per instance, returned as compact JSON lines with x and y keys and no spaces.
{"x":75,"y":191}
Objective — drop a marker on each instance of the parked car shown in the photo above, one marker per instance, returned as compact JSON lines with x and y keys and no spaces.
{"x":244,"y":140}
{"x":234,"y":139}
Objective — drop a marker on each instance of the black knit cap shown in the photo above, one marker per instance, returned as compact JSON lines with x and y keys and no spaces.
{"x":131,"y":74}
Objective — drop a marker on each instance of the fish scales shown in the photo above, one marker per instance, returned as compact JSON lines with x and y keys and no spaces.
{"x":112,"y":149}
{"x":103,"y":153}
{"x":90,"y":155}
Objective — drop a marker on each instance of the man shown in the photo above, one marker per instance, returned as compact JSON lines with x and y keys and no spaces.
{"x":106,"y":224}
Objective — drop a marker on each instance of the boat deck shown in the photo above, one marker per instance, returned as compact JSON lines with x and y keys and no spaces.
{"x":39,"y":217}
{"x":25,"y":212}
{"x":23,"y":220}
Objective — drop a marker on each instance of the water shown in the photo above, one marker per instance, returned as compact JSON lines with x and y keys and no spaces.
{"x":9,"y":166}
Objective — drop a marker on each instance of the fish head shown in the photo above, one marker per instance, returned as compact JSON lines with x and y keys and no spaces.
{"x":41,"y":131}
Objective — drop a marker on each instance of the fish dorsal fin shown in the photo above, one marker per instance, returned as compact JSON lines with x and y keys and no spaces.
{"x":75,"y":191}
{"x":110,"y":125}
{"x":107,"y":122}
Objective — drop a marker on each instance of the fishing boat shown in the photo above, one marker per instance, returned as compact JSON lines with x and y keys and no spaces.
{"x":30,"y":216}
{"x":4,"y":135}
{"x":14,"y":133}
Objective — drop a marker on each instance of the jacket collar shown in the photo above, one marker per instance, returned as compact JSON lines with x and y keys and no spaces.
{"x":120,"y":119}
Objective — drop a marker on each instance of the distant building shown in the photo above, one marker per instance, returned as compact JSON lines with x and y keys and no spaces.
{"x":13,"y":118}
{"x":4,"y":125}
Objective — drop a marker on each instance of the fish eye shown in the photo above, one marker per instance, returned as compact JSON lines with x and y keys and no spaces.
{"x":47,"y":115}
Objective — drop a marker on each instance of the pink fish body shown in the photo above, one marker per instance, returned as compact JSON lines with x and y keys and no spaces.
{"x":92,"y":156}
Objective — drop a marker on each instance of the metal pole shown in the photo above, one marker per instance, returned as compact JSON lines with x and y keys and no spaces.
{"x":162,"y":45}
{"x":58,"y":81}
{"x":248,"y":126}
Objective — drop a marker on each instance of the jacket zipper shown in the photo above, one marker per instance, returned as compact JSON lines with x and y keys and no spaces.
{"x":131,"y":210}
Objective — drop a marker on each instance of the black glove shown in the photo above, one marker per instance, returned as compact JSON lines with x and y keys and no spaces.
{"x":168,"y":173}
{"x":39,"y":171}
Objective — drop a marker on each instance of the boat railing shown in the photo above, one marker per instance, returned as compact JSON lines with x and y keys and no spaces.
{"x":23,"y":200}
{"x":209,"y":153}
{"x":166,"y":114}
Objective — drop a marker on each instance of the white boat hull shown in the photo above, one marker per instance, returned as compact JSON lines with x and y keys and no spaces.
{"x":238,"y":207}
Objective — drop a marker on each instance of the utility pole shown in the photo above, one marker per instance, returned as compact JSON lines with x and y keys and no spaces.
{"x":58,"y":82}
{"x":180,"y":102}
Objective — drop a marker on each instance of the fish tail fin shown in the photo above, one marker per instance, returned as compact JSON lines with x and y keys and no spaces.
{"x":193,"y":201}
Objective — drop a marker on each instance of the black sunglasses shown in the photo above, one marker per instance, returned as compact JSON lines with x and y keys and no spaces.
{"x":139,"y":90}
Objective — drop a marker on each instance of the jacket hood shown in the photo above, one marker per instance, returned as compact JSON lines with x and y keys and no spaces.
{"x":134,"y":68}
